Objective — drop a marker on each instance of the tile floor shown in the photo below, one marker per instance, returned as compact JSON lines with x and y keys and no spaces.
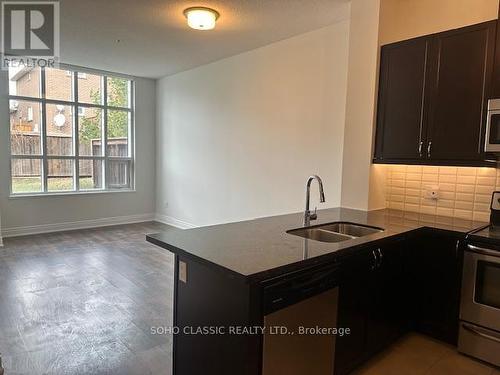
{"x":418,"y":355}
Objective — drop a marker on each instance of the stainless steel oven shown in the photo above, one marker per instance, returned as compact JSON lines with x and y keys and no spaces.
{"x":493,"y":126}
{"x":480,"y":303}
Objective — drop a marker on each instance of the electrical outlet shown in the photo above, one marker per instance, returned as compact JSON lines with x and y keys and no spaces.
{"x":432,"y":191}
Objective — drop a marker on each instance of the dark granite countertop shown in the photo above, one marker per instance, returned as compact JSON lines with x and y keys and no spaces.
{"x":259,"y":249}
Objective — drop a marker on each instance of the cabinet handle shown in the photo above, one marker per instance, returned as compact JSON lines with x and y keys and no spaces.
{"x":380,"y":257}
{"x":375,"y":261}
{"x":429,"y":148}
{"x":420,"y":145}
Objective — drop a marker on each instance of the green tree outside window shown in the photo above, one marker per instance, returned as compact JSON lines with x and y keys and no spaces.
{"x":90,"y":127}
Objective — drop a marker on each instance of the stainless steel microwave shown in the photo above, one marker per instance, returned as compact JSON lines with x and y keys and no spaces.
{"x":493,"y":127}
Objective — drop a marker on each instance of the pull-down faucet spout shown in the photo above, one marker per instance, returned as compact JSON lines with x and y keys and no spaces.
{"x":308,"y":215}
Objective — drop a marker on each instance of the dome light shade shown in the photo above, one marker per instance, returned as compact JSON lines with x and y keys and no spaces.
{"x":201,"y":18}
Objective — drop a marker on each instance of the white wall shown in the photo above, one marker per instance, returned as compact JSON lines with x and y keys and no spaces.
{"x":238,"y":138}
{"x":44,"y":213}
{"x":360,"y":112}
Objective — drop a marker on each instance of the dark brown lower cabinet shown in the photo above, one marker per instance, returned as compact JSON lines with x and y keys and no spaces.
{"x":373,"y":303}
{"x":385,"y":289}
{"x":353,"y":304}
{"x":388,"y":315}
{"x":437,"y":260}
{"x":206,"y":298}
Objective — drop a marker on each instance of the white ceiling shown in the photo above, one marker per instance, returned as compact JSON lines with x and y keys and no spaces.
{"x":155,"y":41}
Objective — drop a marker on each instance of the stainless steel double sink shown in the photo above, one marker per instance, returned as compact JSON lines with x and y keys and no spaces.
{"x":335,"y":232}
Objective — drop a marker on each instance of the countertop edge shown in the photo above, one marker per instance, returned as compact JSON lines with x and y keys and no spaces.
{"x":183,"y":253}
{"x":293,"y":267}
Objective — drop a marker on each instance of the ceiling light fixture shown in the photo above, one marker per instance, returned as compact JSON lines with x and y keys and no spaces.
{"x":201,"y":18}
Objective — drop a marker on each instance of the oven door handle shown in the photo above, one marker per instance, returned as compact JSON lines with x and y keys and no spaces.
{"x":481,"y":334}
{"x":482,"y":250}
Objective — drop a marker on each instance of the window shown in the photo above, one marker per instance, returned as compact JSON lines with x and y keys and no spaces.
{"x":54,"y":151}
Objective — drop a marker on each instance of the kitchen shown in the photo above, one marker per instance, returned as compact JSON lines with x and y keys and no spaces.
{"x":311,"y":196}
{"x":381,"y":273}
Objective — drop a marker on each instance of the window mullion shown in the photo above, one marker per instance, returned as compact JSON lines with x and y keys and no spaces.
{"x":131,"y":140}
{"x":105,"y":132}
{"x":76,"y":124}
{"x":45,"y":163}
{"x":39,"y":100}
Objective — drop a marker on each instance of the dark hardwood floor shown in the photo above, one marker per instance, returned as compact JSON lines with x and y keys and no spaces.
{"x":84,"y":302}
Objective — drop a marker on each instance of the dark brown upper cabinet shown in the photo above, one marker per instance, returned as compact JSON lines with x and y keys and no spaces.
{"x":433,"y":92}
{"x":495,"y":90}
{"x":400,"y":123}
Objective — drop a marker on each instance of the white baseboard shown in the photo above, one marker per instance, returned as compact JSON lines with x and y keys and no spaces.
{"x":84,"y":224}
{"x":173,"y":222}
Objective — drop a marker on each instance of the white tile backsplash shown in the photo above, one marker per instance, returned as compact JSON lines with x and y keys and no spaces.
{"x":464,"y":192}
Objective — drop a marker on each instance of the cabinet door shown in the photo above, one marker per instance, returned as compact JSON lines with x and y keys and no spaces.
{"x":495,"y":89}
{"x":437,"y":274}
{"x":460,"y":79}
{"x":389,"y":315}
{"x":354,"y":296}
{"x":401,"y":105}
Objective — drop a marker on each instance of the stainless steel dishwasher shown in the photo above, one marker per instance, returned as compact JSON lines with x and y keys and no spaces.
{"x":308,"y":300}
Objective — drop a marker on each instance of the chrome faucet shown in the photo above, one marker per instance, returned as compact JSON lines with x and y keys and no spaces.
{"x":308,"y":215}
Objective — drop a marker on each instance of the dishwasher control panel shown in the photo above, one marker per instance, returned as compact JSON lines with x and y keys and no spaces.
{"x":297,"y":286}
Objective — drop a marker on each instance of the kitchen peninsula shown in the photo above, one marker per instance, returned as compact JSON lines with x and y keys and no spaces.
{"x":239,"y":274}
